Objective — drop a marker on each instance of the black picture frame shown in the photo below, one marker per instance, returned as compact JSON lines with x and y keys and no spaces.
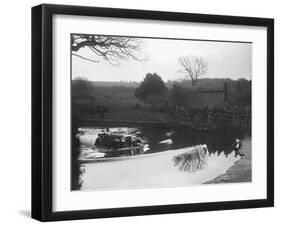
{"x":42,"y":107}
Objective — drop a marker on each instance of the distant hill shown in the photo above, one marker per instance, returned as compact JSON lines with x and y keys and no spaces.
{"x":115,"y":84}
{"x":209,"y":82}
{"x":205,"y":82}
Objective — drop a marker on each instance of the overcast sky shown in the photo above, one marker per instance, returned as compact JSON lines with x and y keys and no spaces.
{"x":225,"y":60}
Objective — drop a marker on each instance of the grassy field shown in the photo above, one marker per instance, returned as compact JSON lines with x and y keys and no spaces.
{"x":121,"y":103}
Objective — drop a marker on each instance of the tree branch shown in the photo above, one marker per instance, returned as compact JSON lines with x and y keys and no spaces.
{"x":195,"y":67}
{"x":110,"y":48}
{"x":84,"y":58}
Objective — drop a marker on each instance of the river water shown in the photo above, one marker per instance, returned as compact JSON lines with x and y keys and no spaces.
{"x":174,"y":157}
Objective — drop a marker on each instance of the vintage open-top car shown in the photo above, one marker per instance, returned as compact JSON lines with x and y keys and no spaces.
{"x":119,"y":143}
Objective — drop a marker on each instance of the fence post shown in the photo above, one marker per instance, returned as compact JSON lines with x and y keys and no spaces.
{"x":225,"y":92}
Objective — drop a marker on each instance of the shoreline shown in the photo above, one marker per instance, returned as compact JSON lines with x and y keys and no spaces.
{"x":241,"y":171}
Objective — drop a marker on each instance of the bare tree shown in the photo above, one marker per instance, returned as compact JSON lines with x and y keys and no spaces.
{"x":194,"y":67}
{"x":110,"y":48}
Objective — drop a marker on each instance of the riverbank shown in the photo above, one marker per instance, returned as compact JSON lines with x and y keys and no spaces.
{"x":241,"y":171}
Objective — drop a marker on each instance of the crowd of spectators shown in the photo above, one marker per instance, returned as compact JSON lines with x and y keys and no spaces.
{"x":232,"y":114}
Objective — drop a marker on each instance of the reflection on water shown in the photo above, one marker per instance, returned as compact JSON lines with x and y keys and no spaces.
{"x":175,"y":157}
{"x":192,"y":161}
{"x":79,"y":177}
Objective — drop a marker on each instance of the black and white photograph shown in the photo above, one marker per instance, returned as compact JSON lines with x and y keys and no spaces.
{"x":143,"y":112}
{"x":156,"y":112}
{"x":136,"y":113}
